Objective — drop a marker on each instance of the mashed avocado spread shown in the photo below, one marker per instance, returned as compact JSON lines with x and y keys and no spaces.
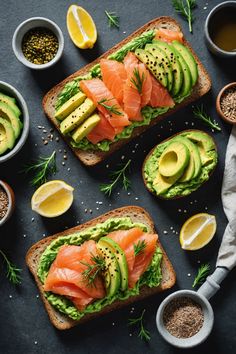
{"x":151,"y":278}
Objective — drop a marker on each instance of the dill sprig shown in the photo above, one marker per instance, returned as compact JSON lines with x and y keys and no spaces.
{"x":143,"y":333}
{"x":184,"y":8}
{"x":115,"y":177}
{"x":13,"y":273}
{"x":113,"y":109}
{"x":199,"y":112}
{"x":93,"y":269}
{"x":202,"y":273}
{"x":42,"y":168}
{"x":139,"y":247}
{"x":113,"y":19}
{"x":138,"y":42}
{"x":138,"y":80}
{"x":69,"y":90}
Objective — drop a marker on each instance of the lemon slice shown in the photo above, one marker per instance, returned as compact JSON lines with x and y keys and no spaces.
{"x":81,"y":27}
{"x":52,"y":199}
{"x":197,"y":231}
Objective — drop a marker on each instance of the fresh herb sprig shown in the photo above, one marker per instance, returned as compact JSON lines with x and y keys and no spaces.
{"x":69,"y":90}
{"x":113,"y":19}
{"x":115,"y":176}
{"x":199,"y":112}
{"x":13,"y":273}
{"x":113,"y":109}
{"x":203,"y":272}
{"x":139,"y":247}
{"x":42,"y":168}
{"x":143,"y":332}
{"x":93,"y":269}
{"x":185,"y":8}
{"x":138,"y":80}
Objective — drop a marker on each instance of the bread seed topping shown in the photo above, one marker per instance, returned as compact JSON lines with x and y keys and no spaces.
{"x":228,"y":103}
{"x":3,"y":203}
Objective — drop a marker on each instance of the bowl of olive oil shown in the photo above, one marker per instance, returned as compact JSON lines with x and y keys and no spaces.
{"x":220,"y":29}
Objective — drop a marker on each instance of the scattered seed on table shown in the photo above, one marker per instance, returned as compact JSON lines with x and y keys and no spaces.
{"x":60,"y":150}
{"x":65,"y":157}
{"x":57,"y":139}
{"x":32,"y":220}
{"x":165,"y":232}
{"x":45,"y":142}
{"x":68,"y":169}
{"x":63,"y":163}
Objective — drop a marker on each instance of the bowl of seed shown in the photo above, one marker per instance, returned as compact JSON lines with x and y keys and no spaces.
{"x":38,"y":43}
{"x":7,"y":202}
{"x":226,"y":103}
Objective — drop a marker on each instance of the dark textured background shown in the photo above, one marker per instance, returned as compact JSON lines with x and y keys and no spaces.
{"x":24,"y":324}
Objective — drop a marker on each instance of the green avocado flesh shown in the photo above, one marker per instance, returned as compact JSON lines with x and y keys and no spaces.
{"x":171,"y":64}
{"x":151,"y":278}
{"x":190,"y":180}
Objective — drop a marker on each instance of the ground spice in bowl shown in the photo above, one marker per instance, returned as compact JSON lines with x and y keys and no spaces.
{"x":228,"y":103}
{"x":40,"y":45}
{"x":183,"y":317}
{"x":3,"y":203}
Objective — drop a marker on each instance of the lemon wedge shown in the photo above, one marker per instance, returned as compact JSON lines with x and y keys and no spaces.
{"x":81,"y":27}
{"x":197,"y":231}
{"x":52,"y":199}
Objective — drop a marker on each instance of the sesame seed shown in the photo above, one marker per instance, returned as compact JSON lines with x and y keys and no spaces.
{"x":10,"y":296}
{"x":63,"y":163}
{"x":165,"y":232}
{"x":32,"y":219}
{"x":189,"y":275}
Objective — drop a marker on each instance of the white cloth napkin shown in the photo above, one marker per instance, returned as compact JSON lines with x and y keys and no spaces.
{"x":227,"y":252}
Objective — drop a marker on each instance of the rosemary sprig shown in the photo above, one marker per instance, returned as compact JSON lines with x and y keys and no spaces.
{"x":139,"y":247}
{"x":203,"y":272}
{"x":113,"y":19}
{"x":42,"y":168}
{"x":138,"y":80}
{"x":201,"y":114}
{"x":12,"y":271}
{"x":112,"y":109}
{"x":184,"y":8}
{"x":93,"y":269}
{"x":143,"y":333}
{"x":115,"y":177}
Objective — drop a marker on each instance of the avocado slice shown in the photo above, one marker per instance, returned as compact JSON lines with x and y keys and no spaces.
{"x":204,"y":143}
{"x":113,"y":279}
{"x":159,"y":54}
{"x":187,"y":78}
{"x":77,"y":116}
{"x":85,"y":128}
{"x":155,"y":66}
{"x":175,"y":65}
{"x":174,"y":159}
{"x":188,"y":57}
{"x":11,"y":102}
{"x":161,"y":184}
{"x":194,"y":167}
{"x":70,"y":105}
{"x":121,"y":259}
{"x":7,"y":136}
{"x":7,"y":113}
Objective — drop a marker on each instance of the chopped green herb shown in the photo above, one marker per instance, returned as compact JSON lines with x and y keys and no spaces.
{"x":113,"y":19}
{"x":113,"y":109}
{"x":184,"y":8}
{"x":69,"y":90}
{"x":203,"y":272}
{"x":116,"y":176}
{"x":139,"y":247}
{"x":143,"y":333}
{"x":12,"y":271}
{"x":93,"y":269}
{"x":137,"y":81}
{"x":201,"y":114}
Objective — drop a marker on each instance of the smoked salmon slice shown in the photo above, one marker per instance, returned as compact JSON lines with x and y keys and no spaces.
{"x":160,"y":97}
{"x":114,"y":76}
{"x":97,"y":91}
{"x":146,"y":86}
{"x":102,"y":131}
{"x":169,"y":36}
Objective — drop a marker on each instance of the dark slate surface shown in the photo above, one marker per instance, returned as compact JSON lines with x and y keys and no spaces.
{"x":24,"y":325}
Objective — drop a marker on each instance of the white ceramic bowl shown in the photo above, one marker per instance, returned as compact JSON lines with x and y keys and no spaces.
{"x":27,"y":25}
{"x":11,"y":91}
{"x":11,"y":201}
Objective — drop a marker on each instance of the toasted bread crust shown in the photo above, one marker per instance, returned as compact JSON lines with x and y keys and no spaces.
{"x":91,"y":158}
{"x":150,"y":153}
{"x":137,"y":214}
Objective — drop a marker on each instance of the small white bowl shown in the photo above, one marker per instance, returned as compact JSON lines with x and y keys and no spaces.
{"x":11,"y":201}
{"x":29,"y":24}
{"x":13,"y":92}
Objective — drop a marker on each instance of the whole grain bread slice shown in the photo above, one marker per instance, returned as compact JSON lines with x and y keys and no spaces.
{"x":136,"y":214}
{"x":91,"y":158}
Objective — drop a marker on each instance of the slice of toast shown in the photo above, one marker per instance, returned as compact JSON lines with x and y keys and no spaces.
{"x":136,"y":214}
{"x":91,"y":158}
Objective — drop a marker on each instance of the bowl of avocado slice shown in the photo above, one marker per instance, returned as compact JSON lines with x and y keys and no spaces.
{"x":14,"y":121}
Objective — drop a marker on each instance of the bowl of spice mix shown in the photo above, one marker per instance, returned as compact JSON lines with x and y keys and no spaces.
{"x":7,"y":202}
{"x":38,"y":43}
{"x":226,"y":103}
